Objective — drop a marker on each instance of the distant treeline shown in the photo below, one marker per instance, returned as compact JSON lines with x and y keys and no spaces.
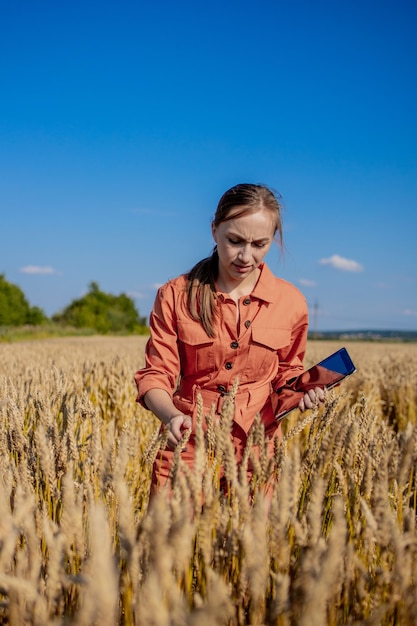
{"x":98,"y":311}
{"x":366,"y":335}
{"x":105,"y":313}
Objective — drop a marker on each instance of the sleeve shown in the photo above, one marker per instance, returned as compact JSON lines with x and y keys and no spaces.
{"x":162,"y":361}
{"x":291,"y":357}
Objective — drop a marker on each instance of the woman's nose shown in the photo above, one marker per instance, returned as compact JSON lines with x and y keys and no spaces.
{"x":245,"y":252}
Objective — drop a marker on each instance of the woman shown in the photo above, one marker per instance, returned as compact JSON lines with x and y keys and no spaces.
{"x":229,"y":318}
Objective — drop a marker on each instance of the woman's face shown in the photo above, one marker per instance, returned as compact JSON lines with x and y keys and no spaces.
{"x":242,"y":244}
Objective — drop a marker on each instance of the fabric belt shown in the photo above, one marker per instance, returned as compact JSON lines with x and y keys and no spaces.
{"x":243,"y":399}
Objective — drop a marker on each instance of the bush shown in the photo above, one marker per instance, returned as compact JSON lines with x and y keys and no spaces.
{"x":15,"y":310}
{"x":102,"y":312}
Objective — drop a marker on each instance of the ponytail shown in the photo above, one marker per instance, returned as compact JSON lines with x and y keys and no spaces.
{"x":201,"y":292}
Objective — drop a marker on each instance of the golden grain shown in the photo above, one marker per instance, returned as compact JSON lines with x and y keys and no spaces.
{"x":336,"y":543}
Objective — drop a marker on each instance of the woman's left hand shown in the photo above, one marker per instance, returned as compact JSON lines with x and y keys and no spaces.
{"x":311,"y":398}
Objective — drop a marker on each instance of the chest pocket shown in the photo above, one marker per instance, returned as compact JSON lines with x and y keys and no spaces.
{"x":196,"y":349}
{"x":263,"y":347}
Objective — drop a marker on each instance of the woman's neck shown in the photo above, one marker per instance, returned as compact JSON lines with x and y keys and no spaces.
{"x":238,"y":290}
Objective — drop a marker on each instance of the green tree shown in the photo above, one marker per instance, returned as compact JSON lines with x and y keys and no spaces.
{"x":15,"y":310}
{"x":102,"y":312}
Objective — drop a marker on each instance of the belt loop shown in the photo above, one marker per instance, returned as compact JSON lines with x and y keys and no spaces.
{"x":219,"y":404}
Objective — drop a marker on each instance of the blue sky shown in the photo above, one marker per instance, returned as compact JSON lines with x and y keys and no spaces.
{"x":122,"y":123}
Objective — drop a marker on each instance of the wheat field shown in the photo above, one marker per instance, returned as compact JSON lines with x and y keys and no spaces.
{"x":336,"y":543}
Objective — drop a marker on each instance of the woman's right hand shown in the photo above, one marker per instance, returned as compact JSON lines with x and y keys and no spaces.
{"x":160,"y":403}
{"x":177,"y":426}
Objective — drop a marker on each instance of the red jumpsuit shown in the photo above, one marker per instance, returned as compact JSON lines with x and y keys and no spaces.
{"x":262,"y":344}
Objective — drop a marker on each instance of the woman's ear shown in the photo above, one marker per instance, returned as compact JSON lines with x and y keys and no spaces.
{"x":213,"y":231}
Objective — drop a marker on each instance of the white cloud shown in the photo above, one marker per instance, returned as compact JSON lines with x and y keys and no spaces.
{"x":340,"y":263}
{"x":37,"y":269}
{"x":157,"y":285}
{"x":137,"y":295}
{"x":307,"y":283}
{"x":412,"y":312}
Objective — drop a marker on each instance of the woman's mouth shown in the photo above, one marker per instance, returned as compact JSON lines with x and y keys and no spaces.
{"x":242,"y":269}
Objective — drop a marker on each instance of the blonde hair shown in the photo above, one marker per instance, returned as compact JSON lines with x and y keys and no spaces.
{"x":240,"y":200}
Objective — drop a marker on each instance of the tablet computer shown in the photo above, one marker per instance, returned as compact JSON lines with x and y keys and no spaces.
{"x":326,"y":374}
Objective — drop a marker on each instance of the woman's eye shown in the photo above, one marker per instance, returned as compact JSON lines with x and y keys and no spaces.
{"x":237,"y":242}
